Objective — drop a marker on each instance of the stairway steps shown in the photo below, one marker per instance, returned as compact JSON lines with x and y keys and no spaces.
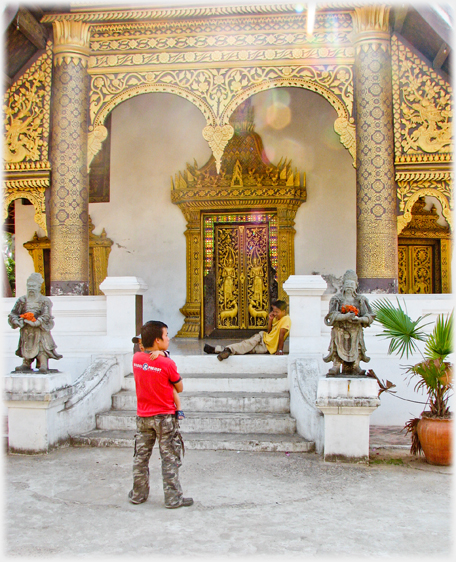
{"x":249,"y":402}
{"x":244,"y":410}
{"x":208,"y":422}
{"x":262,"y":442}
{"x":233,"y":382}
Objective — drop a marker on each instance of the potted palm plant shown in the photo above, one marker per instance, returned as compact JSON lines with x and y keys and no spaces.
{"x":431,"y":433}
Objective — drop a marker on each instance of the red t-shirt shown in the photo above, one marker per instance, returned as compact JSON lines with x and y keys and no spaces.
{"x":153,"y":380}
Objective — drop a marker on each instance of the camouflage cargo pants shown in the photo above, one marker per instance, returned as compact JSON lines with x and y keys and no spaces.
{"x":165,"y":429}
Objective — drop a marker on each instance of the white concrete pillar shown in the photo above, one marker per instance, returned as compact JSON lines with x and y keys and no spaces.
{"x":123,"y":310}
{"x":347,"y":404}
{"x":305,"y":293}
{"x":33,"y":402}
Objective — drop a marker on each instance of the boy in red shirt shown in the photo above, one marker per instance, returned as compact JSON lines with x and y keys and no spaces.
{"x":154,"y":380}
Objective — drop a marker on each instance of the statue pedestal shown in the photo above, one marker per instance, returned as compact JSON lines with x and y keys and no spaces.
{"x":347,"y":404}
{"x":34,"y":401}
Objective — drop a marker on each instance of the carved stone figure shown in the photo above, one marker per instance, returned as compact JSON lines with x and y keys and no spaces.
{"x":257,"y":274}
{"x":348,"y":314}
{"x":228,"y":275}
{"x":32,"y":314}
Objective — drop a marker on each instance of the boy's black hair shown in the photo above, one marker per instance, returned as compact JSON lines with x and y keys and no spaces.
{"x":151,"y":331}
{"x":281,"y":305}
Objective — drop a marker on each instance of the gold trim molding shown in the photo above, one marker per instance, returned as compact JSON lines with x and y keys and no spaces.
{"x":89,"y":14}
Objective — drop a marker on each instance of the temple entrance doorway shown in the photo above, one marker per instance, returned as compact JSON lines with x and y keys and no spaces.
{"x":424,"y":250}
{"x":240,"y":273}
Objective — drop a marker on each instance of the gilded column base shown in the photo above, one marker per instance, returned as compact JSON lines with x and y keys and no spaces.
{"x":59,"y":288}
{"x":192,"y":323}
{"x":378,"y":285}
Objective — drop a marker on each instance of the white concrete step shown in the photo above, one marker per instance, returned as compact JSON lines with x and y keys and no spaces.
{"x":256,"y":363}
{"x":262,"y":442}
{"x":207,"y":422}
{"x":250,"y":402}
{"x":232,"y":382}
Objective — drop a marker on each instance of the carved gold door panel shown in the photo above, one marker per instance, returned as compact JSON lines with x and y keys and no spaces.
{"x":242,"y":276}
{"x":419,"y":267}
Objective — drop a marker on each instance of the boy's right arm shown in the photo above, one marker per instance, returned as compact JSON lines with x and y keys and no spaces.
{"x":179,"y":386}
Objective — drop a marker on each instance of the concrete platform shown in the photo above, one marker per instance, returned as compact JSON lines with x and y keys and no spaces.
{"x":73,"y":503}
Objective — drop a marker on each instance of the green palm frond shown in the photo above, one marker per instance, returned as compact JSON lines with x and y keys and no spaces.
{"x":399,"y":328}
{"x":440,"y":343}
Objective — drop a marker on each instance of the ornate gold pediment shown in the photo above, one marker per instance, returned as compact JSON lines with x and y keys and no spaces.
{"x":246,"y":178}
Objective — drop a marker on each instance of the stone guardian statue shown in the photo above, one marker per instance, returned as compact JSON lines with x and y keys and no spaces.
{"x":32,"y":314}
{"x":348,"y":314}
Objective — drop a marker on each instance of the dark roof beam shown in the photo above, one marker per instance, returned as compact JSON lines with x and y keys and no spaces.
{"x":400,"y":13}
{"x":441,"y":56}
{"x":6,"y":81}
{"x":431,"y":17}
{"x":9,"y":13}
{"x":33,"y":30}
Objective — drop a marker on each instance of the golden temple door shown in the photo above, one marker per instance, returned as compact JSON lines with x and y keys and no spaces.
{"x":419,"y":266}
{"x":242,"y":278}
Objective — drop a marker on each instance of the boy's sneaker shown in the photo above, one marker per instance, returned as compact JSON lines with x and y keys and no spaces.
{"x":186,"y":502}
{"x":209,"y":349}
{"x":180,"y":415}
{"x":224,"y":354}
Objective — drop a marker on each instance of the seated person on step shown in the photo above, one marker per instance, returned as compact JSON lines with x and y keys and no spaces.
{"x":271,"y":342}
{"x":153,"y":355}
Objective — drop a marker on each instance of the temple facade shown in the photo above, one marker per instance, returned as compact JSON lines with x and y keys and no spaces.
{"x":213,"y":152}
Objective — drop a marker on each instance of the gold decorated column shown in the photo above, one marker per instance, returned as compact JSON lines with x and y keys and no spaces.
{"x":286,"y":234}
{"x":69,"y":201}
{"x":377,"y":259}
{"x":192,"y":308}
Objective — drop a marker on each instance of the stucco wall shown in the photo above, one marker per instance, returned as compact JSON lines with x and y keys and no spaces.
{"x":325,"y":239}
{"x":155,"y":135}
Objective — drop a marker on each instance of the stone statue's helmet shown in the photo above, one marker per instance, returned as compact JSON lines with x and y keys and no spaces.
{"x":350,"y":275}
{"x":35,"y":279}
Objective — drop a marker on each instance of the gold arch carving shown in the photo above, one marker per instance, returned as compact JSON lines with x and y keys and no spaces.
{"x":149,"y":89}
{"x":36,"y":198}
{"x":217,"y":93}
{"x":404,"y":219}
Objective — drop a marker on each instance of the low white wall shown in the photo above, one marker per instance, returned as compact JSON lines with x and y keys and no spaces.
{"x":394,"y":410}
{"x":80,"y":333}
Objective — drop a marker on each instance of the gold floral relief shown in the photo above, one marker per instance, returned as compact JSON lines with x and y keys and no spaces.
{"x":26,"y":117}
{"x":423,"y":111}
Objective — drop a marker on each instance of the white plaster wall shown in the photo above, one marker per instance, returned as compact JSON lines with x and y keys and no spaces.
{"x":153,"y":137}
{"x":325,"y":239}
{"x":25,"y":228}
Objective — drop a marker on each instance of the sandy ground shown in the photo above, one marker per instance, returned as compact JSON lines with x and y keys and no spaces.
{"x":73,"y":503}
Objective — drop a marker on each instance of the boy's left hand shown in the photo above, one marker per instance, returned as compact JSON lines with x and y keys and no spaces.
{"x":154,"y":354}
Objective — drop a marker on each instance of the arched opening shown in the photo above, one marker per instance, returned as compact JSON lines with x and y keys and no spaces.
{"x":153,"y":135}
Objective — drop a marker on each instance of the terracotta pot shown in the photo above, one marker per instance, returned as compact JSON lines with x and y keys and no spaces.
{"x":436,"y":437}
